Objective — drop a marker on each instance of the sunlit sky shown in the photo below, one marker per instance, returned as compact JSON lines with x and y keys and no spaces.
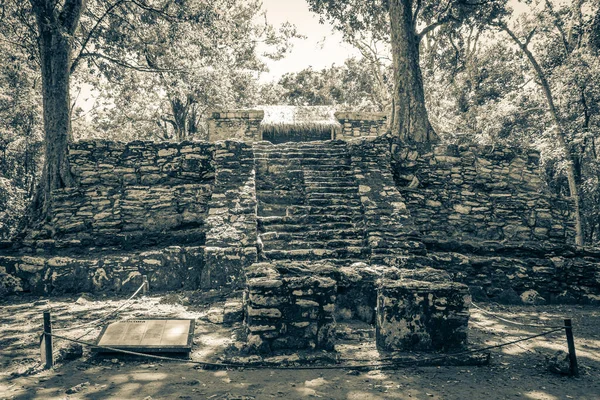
{"x":322,"y":47}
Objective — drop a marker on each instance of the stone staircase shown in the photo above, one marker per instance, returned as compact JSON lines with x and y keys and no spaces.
{"x":308,"y":203}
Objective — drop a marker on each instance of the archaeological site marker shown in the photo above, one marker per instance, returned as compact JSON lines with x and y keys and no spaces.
{"x":158,"y":335}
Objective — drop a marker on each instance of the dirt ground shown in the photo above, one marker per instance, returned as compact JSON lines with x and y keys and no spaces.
{"x":515,"y":371}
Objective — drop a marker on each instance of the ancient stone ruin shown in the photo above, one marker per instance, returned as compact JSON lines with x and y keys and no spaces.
{"x":358,"y":226}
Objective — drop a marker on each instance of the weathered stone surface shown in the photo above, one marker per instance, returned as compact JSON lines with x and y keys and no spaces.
{"x":235,"y":124}
{"x":419,"y":315}
{"x":532,"y":297}
{"x":296,"y":313}
{"x":480,"y":214}
{"x":358,"y":124}
{"x":480,"y":193}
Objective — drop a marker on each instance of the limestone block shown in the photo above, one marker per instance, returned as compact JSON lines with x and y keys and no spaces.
{"x":419,"y":315}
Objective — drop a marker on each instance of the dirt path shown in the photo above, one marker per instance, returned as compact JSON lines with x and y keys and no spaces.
{"x":516,"y":371}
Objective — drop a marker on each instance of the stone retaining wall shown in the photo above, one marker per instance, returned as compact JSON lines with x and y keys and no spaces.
{"x":389,"y":227}
{"x":419,"y":312}
{"x":231,"y":221}
{"x":241,"y":125}
{"x":358,"y":124}
{"x":170,"y":268}
{"x":288,"y":309}
{"x":131,"y":193}
{"x":480,"y":193}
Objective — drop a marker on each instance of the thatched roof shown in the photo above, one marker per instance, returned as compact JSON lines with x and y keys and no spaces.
{"x":288,"y":119}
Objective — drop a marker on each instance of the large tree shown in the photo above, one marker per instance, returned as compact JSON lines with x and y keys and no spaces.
{"x":404,"y":23}
{"x":204,"y":66}
{"x":532,"y":82}
{"x":103,"y":38}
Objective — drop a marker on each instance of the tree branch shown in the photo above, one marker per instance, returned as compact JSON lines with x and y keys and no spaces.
{"x":70,"y":14}
{"x":431,"y":27}
{"x":126,"y":64}
{"x":89,"y":35}
{"x":416,"y":14}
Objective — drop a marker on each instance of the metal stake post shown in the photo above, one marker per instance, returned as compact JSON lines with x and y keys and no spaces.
{"x":48,"y":339}
{"x":573,"y":368}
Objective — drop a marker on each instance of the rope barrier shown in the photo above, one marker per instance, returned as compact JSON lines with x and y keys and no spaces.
{"x":100,"y":320}
{"x":387,"y":362}
{"x":494,"y":315}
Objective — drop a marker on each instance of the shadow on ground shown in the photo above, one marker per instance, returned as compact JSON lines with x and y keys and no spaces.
{"x":516,"y":371}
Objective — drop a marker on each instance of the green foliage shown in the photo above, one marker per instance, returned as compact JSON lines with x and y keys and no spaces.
{"x":20,"y":133}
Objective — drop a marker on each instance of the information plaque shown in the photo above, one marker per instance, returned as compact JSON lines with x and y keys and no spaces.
{"x":148,"y":336}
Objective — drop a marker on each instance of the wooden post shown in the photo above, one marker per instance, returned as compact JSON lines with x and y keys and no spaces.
{"x":573,"y":368}
{"x":146,"y":287}
{"x":48,"y":340}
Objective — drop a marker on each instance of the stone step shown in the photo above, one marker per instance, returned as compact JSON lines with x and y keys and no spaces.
{"x":301,"y":145}
{"x":350,"y":195}
{"x":330,"y":182}
{"x":323,"y":169}
{"x":319,"y":176}
{"x":289,"y":227}
{"x":316,"y":254}
{"x":308,"y":157}
{"x":301,"y":244}
{"x":333,"y":201}
{"x":329,"y":189}
{"x":312,"y":235}
{"x":299,"y":219}
{"x":346,"y":209}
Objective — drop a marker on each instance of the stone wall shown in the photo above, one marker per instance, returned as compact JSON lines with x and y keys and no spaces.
{"x":139,"y":193}
{"x":241,"y":125}
{"x":389,"y":228}
{"x":245,"y":125}
{"x":287,"y":308}
{"x":170,"y":268}
{"x":481,"y":214}
{"x":357,"y":124}
{"x":506,"y":273}
{"x":422,"y":311}
{"x":231,"y":222}
{"x":480,"y":193}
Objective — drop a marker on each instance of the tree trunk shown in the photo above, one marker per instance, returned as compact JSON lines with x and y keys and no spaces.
{"x":559,"y":133}
{"x":55,"y":31}
{"x":409,"y":115}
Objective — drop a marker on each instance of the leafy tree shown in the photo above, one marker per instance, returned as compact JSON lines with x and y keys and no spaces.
{"x":535,"y":85}
{"x":404,"y":23}
{"x":212,"y":65}
{"x":565,"y":58}
{"x":20,"y":132}
{"x":350,"y":86}
{"x":106,"y":38}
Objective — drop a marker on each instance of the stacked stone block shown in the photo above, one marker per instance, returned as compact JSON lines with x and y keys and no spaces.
{"x":126,"y":191}
{"x":480,"y":193}
{"x":360,"y":124}
{"x":170,"y":268}
{"x":241,"y":125}
{"x":231,"y":222}
{"x":389,"y":227}
{"x":308,"y":204}
{"x":288,"y":308}
{"x":423,"y":310}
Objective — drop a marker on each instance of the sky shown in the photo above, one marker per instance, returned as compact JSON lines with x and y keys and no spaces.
{"x":322,"y":47}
